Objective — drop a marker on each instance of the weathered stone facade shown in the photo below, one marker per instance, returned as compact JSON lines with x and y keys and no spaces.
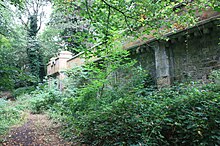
{"x":145,"y":58}
{"x":57,"y":65}
{"x":197,"y":52}
{"x":189,"y":53}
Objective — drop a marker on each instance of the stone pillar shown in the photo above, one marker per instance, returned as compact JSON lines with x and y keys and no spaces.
{"x":63,"y":57}
{"x":61,"y":78}
{"x":56,"y":68}
{"x":162,"y":65}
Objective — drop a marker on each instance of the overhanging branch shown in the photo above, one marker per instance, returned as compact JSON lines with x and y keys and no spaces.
{"x":120,"y":11}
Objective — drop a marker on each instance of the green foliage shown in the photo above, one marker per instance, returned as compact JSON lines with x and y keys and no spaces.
{"x":44,"y":100}
{"x":215,"y":74}
{"x":182,"y":115}
{"x":23,"y":90}
{"x":176,"y":116}
{"x":33,"y":11}
{"x":72,"y":28}
{"x":12,"y":77}
{"x":50,"y":43}
{"x":10,"y":115}
{"x":120,"y":20}
{"x":128,"y":120}
{"x":93,"y":98}
{"x":13,"y":71}
{"x":192,"y":117}
{"x":35,"y":59}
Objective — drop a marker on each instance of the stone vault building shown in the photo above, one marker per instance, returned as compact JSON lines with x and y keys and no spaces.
{"x":189,"y":53}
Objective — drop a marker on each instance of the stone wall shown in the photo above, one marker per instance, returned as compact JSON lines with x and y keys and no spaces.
{"x":145,"y":58}
{"x":189,"y":54}
{"x":196,"y":53}
{"x":59,"y":63}
{"x":76,"y":60}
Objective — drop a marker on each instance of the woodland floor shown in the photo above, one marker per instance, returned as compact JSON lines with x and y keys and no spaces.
{"x":38,"y":130}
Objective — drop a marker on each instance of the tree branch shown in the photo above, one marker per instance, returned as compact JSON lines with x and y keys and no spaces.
{"x":120,"y":11}
{"x":107,"y":27}
{"x":88,"y":11}
{"x":25,"y":24}
{"x":27,"y":7}
{"x":40,"y":23}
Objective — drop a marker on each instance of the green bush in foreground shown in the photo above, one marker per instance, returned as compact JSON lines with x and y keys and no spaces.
{"x":117,"y":105}
{"x":187,"y":115}
{"x":193,"y":117}
{"x":129,"y":114}
{"x":44,"y":100}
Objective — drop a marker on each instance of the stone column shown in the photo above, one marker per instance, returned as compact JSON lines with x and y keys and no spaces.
{"x":63,"y":57}
{"x":162,"y":65}
{"x":61,"y":78}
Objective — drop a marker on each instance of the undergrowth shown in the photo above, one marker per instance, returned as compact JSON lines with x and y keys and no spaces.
{"x":119,"y":104}
{"x":135,"y":114}
{"x":15,"y":112}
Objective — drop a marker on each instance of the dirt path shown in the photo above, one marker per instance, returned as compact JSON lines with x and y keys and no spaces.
{"x":37,"y":131}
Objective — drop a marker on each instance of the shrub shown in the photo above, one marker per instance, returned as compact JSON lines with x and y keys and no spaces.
{"x":44,"y":100}
{"x":129,"y":120}
{"x":23,"y":90}
{"x":181,"y":115}
{"x":192,"y":118}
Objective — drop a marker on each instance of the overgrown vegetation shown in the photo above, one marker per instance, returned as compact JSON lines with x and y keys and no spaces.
{"x":110,"y":101}
{"x":12,"y":113}
{"x":9,"y":116}
{"x":130,"y":111}
{"x":180,"y":115}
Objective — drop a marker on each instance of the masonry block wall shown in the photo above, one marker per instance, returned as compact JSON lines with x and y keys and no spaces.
{"x":196,"y":53}
{"x":189,"y":54}
{"x":145,"y":58}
